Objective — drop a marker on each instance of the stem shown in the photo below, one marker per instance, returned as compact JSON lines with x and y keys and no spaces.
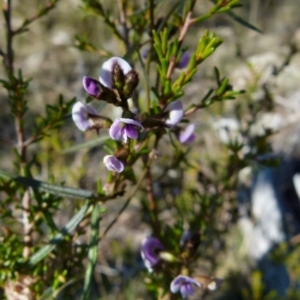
{"x":9,"y":57}
{"x":122,"y":8}
{"x":27,"y":225}
{"x":184,"y":29}
{"x":18,"y":111}
{"x":128,"y":199}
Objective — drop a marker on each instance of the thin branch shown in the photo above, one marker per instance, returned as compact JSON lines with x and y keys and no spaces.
{"x":9,"y":57}
{"x":128,"y":199}
{"x":2,"y":53}
{"x":27,"y":22}
{"x":123,"y":16}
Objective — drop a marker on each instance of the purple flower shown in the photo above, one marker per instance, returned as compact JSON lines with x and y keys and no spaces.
{"x":176,"y":112}
{"x":106,"y":70}
{"x":113,"y":164}
{"x":124,"y":128}
{"x":184,"y":60}
{"x":185,"y":285}
{"x":150,"y":252}
{"x":91,"y":85}
{"x":80,"y":115}
{"x":187,"y":136}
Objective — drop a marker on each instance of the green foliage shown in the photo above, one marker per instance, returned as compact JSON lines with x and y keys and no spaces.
{"x":175,"y":189}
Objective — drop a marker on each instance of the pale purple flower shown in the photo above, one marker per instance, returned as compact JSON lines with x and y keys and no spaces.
{"x":150,"y":252}
{"x":187,"y":136}
{"x":105,"y":77}
{"x":176,"y":112}
{"x":91,"y":85}
{"x":185,"y":285}
{"x":80,"y":115}
{"x":113,"y":164}
{"x":124,"y":128}
{"x":184,"y":60}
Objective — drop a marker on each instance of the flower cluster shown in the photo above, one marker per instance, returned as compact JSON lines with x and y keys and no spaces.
{"x":116,"y":84}
{"x":154,"y":256}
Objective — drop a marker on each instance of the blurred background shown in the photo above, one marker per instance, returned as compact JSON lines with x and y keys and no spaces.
{"x":260,"y":253}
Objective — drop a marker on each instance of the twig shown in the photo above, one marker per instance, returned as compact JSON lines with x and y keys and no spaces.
{"x":122,"y":8}
{"x":2,"y":53}
{"x":42,"y":12}
{"x":186,"y":25}
{"x":9,"y":57}
{"x":27,"y":225}
{"x":128,"y":199}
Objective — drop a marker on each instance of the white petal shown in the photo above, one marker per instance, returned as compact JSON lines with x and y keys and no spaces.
{"x":80,"y":113}
{"x":106,"y":70}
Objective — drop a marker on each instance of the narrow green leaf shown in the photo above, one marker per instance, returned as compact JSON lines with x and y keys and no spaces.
{"x":71,"y":225}
{"x":89,"y":144}
{"x":243,"y":22}
{"x":92,"y":255}
{"x":48,"y":187}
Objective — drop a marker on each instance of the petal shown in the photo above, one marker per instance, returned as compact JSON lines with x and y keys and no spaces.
{"x":80,"y":113}
{"x":180,"y":280}
{"x":123,"y":134}
{"x":113,"y":164}
{"x":184,"y":60}
{"x":176,"y":112}
{"x":149,"y":251}
{"x":187,"y":290}
{"x":115,"y":130}
{"x":145,"y":51}
{"x":91,"y":86}
{"x":131,"y":121}
{"x":106,"y":70}
{"x":187,"y":136}
{"x":131,"y":131}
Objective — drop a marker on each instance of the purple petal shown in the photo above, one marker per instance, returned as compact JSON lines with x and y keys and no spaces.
{"x":181,"y":280}
{"x":184,"y":60}
{"x":131,"y":121}
{"x":176,"y":112}
{"x":124,"y":128}
{"x":145,"y":52}
{"x":91,"y":86}
{"x":187,"y":290}
{"x":80,"y":113}
{"x":106,"y":70}
{"x":150,"y":250}
{"x":115,"y":130}
{"x":187,"y":136}
{"x":131,"y":131}
{"x":113,"y":164}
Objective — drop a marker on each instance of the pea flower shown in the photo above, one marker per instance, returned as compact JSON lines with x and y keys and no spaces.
{"x":150,"y":252}
{"x":80,"y":116}
{"x":124,"y":128}
{"x":187,"y":136}
{"x":185,"y":285}
{"x":107,"y":70}
{"x":184,"y":60}
{"x":91,"y":86}
{"x":176,"y":112}
{"x":113,"y":164}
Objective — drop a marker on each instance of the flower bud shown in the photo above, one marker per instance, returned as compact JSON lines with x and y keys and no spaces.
{"x":131,"y":82}
{"x":167,"y":256}
{"x":118,"y":77}
{"x":122,"y":154}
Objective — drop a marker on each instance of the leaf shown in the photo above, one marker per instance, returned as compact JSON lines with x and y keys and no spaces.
{"x":48,"y":187}
{"x":92,"y":254}
{"x":243,"y":22}
{"x":240,"y":20}
{"x":89,"y":144}
{"x":71,"y":225}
